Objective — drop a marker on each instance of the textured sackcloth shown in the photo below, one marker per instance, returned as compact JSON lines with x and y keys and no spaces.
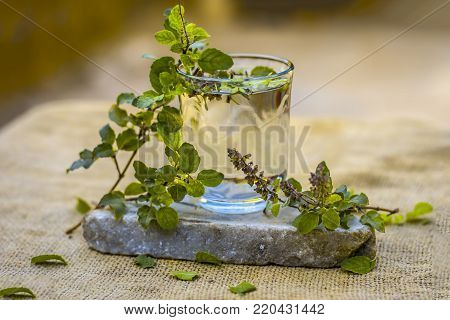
{"x":396,"y":162}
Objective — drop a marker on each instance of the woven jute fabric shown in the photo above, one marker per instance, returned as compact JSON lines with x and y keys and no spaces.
{"x":396,"y":162}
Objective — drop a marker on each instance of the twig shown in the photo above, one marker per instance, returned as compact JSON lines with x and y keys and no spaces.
{"x":391,"y":211}
{"x":184,"y":28}
{"x":120,"y":176}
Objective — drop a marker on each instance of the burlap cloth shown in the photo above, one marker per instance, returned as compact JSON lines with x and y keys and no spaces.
{"x":397,"y":162}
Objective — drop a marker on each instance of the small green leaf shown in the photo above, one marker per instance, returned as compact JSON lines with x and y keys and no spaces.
{"x":17,"y":293}
{"x":212,"y":60}
{"x":48,"y":259}
{"x":128,"y":140}
{"x":126,"y":97}
{"x":178,"y":192}
{"x":185,"y":276}
{"x":343,"y":192}
{"x":141,"y":171}
{"x":82,"y":206}
{"x":372,"y":218}
{"x":145,"y":261}
{"x":331,"y":219}
{"x":134,"y":189}
{"x":420,"y":209}
{"x":205,"y":257}
{"x":168,"y":173}
{"x":107,"y":134}
{"x":170,"y":119}
{"x":276,"y":209}
{"x":118,"y":115}
{"x":306,"y":222}
{"x":261,"y":71}
{"x":116,"y":202}
{"x":173,"y":140}
{"x":85,"y":161}
{"x":360,"y":200}
{"x":147,"y":99}
{"x":189,"y":158}
{"x":210,"y":178}
{"x":165,"y":37}
{"x":175,"y":17}
{"x":164,"y":64}
{"x":195,"y":188}
{"x":359,"y":264}
{"x":103,"y":150}
{"x":332,"y":198}
{"x":146,"y":215}
{"x":395,"y":218}
{"x":243,"y":288}
{"x":297,"y":185}
{"x":167,"y":218}
{"x":346,"y":219}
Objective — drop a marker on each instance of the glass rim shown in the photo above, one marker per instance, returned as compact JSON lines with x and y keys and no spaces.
{"x":289,"y":67}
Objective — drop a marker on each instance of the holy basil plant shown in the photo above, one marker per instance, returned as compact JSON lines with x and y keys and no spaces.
{"x":155,"y":189}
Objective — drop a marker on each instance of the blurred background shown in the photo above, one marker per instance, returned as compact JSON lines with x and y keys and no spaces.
{"x":91,"y":50}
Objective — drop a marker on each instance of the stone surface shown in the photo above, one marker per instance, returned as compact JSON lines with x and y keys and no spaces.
{"x":240,"y":239}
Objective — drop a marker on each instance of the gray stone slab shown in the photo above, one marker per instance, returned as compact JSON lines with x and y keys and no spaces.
{"x":254,"y":239}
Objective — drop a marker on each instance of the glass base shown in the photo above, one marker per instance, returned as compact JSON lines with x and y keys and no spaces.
{"x":232,"y":198}
{"x":227,"y":207}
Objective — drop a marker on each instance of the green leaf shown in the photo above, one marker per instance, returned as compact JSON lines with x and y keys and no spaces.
{"x":165,"y":37}
{"x":146,"y":214}
{"x":306,"y":222}
{"x":185,"y":276}
{"x":346,"y":219}
{"x":118,"y":115}
{"x":145,"y":261}
{"x":187,"y":61}
{"x":126,"y":97}
{"x":116,"y":202}
{"x":175,"y":17}
{"x":189,"y":158}
{"x":167,"y":218}
{"x":333,"y":198}
{"x":276,"y":209}
{"x":134,"y":189}
{"x":212,"y":60}
{"x":373,"y":219}
{"x":205,"y":257}
{"x":82,"y":206}
{"x":168,"y":173}
{"x":195,"y":188}
{"x":360,"y":200}
{"x":128,"y":140}
{"x":17,"y":293}
{"x":147,"y":99}
{"x":210,"y":178}
{"x":141,"y":171}
{"x":243,"y":288}
{"x":343,"y":192}
{"x":359,"y":264}
{"x":85,"y":161}
{"x":159,"y":195}
{"x":107,"y":134}
{"x":330,"y":219}
{"x":170,"y":119}
{"x":103,"y":150}
{"x":261,"y":71}
{"x":48,"y":259}
{"x":178,"y":192}
{"x":395,"y":218}
{"x":173,"y":140}
{"x":164,"y":64}
{"x":297,"y":185}
{"x":196,"y":33}
{"x":420,"y":209}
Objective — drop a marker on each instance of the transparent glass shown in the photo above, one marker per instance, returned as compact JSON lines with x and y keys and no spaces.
{"x":254,"y":120}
